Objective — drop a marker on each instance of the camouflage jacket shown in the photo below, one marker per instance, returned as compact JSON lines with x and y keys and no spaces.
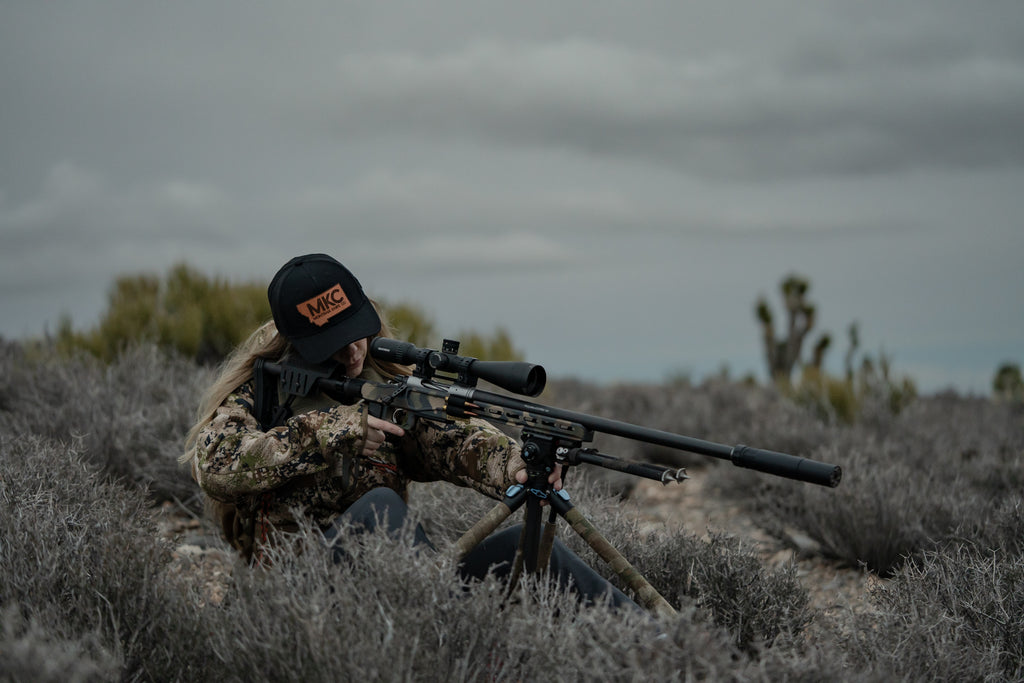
{"x":314,"y":463}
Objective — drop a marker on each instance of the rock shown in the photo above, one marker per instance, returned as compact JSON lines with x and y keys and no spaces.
{"x":804,"y":545}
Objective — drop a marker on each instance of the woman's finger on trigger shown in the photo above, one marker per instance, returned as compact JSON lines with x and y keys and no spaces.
{"x":385,"y":426}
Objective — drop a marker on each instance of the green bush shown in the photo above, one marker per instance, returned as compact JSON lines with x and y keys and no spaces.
{"x":204,"y":319}
{"x":1008,"y":383}
{"x":198,"y":317}
{"x":872,"y":391}
{"x":410,"y":323}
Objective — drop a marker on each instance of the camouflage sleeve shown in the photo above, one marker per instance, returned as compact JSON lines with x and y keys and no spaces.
{"x":235,"y":458}
{"x":472,"y":453}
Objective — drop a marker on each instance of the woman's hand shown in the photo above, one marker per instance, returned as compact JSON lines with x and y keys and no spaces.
{"x":555,"y":478}
{"x":377,"y":431}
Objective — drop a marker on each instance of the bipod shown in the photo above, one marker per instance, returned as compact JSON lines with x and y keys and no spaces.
{"x":542,"y":452}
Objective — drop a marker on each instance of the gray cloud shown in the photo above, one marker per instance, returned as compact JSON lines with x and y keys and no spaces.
{"x":78,"y":207}
{"x":535,"y":164}
{"x":821,"y":111}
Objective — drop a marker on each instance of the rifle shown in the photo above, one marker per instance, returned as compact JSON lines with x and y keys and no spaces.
{"x":443,"y":387}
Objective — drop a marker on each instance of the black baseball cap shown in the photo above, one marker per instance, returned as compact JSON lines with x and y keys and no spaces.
{"x":319,"y":306}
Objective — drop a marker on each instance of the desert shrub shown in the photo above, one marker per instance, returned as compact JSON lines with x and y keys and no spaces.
{"x":961,"y":431}
{"x":874,"y":391}
{"x":390,"y":613}
{"x":1008,"y":383}
{"x":81,"y":565}
{"x":998,"y":527}
{"x":446,"y":511}
{"x":202,"y":318}
{"x":410,"y":323}
{"x":727,"y":584}
{"x":30,"y":652}
{"x":128,"y":418}
{"x":914,"y":480}
{"x":81,"y":570}
{"x":952,"y":614}
{"x":930,"y":496}
{"x":879,"y":515}
{"x":833,"y":399}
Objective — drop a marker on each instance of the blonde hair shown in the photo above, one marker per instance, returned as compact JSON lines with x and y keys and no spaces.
{"x":266,"y":342}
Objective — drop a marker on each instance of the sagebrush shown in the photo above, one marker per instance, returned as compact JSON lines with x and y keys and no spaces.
{"x":89,"y":590}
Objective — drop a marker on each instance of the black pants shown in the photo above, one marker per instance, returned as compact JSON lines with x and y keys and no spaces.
{"x":495,"y":554}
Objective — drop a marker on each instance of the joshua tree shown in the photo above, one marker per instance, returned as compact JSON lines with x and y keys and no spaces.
{"x":854,"y":334}
{"x":782,"y":355}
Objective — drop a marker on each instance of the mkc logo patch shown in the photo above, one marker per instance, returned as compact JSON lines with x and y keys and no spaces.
{"x":325,"y":306}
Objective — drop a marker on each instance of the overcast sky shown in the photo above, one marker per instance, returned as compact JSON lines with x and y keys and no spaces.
{"x":614,"y":182}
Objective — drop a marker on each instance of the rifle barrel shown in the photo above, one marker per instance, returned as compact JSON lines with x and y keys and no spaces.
{"x":770,"y":462}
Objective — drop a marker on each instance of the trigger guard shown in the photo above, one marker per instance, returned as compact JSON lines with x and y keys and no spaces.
{"x":403,"y":418}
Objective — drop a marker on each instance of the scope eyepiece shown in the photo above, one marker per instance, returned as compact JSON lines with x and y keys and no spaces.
{"x":403,"y":353}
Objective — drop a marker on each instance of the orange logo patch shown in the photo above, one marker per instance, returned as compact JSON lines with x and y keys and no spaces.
{"x":323,"y":307}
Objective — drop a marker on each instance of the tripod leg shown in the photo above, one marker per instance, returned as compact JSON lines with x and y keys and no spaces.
{"x":530,"y":543}
{"x":482,"y":529}
{"x":646,"y":594}
{"x":547,"y":541}
{"x":517,"y":565}
{"x":514,"y":498}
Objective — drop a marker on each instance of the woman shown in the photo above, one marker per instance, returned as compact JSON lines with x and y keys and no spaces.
{"x":336,"y":462}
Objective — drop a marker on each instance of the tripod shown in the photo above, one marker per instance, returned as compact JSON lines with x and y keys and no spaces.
{"x":542,"y":452}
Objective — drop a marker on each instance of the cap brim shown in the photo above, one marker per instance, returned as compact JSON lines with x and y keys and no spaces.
{"x":318,"y":347}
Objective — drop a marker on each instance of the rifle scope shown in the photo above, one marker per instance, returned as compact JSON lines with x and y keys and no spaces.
{"x":515,"y":376}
